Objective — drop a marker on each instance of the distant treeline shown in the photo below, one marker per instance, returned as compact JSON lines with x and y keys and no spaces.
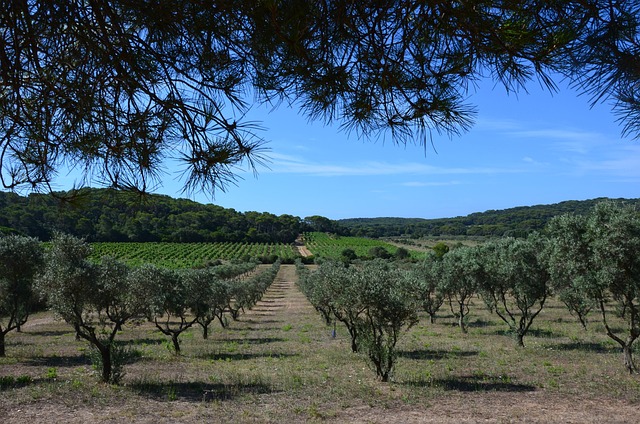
{"x":515,"y":222}
{"x":110,"y":215}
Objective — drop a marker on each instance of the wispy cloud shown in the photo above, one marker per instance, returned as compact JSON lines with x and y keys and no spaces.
{"x":532,"y":161}
{"x":429,"y":183}
{"x":298,"y":165}
{"x":556,"y":134}
{"x":619,"y":163}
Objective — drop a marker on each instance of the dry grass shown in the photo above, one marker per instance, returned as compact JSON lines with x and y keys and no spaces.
{"x":280,"y":364}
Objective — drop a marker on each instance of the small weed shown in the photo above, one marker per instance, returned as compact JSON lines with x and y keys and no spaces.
{"x":314,"y":412}
{"x":287,"y":327}
{"x":23,"y":380}
{"x":7,"y":381}
{"x":172,"y":393}
{"x":51,"y":374}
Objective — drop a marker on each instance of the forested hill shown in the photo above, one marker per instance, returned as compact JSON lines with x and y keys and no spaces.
{"x":514,"y":221}
{"x":109,"y":215}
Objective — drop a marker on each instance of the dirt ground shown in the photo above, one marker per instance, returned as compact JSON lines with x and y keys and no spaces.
{"x":537,"y":406}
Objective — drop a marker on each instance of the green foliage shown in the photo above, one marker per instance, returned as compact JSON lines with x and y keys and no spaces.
{"x":440,"y":249}
{"x":428,"y":287}
{"x":461,"y":275}
{"x":517,"y":282}
{"x":193,"y":255}
{"x":21,"y":258}
{"x":515,"y":222}
{"x":332,"y":246}
{"x":169,"y":299}
{"x":391,"y":308}
{"x":597,"y":256}
{"x":97,"y":300}
{"x":105,"y":215}
{"x":375,"y":301}
{"x":117,"y":105}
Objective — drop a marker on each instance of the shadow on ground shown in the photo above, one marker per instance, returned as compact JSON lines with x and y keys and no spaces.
{"x":196,"y":391}
{"x":472,"y":383}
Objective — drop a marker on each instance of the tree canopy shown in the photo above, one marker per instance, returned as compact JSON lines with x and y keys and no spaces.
{"x":115,"y":87}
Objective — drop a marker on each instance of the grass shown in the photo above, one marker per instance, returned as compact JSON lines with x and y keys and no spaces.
{"x":279,"y":363}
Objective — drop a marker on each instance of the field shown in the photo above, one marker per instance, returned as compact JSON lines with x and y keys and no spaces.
{"x":188,"y":255}
{"x":331,"y":246}
{"x":280,"y":364}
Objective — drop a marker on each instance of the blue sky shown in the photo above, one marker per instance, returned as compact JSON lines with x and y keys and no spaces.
{"x":525,"y":149}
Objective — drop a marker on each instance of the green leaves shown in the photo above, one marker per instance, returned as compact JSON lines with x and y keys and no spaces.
{"x":597,"y":256}
{"x":375,"y":300}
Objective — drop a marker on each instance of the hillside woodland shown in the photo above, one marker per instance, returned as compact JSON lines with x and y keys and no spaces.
{"x":112,"y":215}
{"x":517,"y":222}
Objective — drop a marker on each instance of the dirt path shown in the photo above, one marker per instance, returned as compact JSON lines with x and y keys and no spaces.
{"x":282,"y":299}
{"x":302,"y":249}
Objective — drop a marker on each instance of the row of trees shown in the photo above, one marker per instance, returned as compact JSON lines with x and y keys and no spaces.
{"x":99,"y":299}
{"x":588,"y":261}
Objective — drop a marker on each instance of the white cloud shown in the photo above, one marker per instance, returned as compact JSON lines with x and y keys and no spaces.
{"x":296,"y":165}
{"x":429,"y":183}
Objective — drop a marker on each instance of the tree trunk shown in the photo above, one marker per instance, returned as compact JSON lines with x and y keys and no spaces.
{"x":583,"y":322}
{"x":432,"y":318}
{"x":205,"y":331}
{"x":461,"y":319}
{"x":520,"y":338}
{"x":2,"y":350}
{"x":105,"y":353}
{"x":176,"y":343}
{"x":627,"y":350}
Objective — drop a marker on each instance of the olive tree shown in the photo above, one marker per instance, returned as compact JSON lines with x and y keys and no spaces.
{"x":96,"y":299}
{"x":431,"y":296}
{"x":599,"y":253}
{"x":517,"y":283}
{"x":391,"y":308}
{"x":21,"y":258}
{"x":213,"y":304}
{"x":340,"y":289}
{"x":170,"y":299}
{"x":572,"y":266}
{"x":460,"y":278}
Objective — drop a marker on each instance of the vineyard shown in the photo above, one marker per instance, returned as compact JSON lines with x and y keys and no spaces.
{"x":193,"y":255}
{"x":331,"y":246}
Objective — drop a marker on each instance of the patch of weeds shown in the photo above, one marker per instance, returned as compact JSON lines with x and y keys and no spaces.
{"x":51,"y":374}
{"x":554,"y":370}
{"x":7,"y":381}
{"x":172,"y":393}
{"x":231,"y":346}
{"x":8,"y":360}
{"x":314,"y":412}
{"x":120,"y":354}
{"x":287,"y":327}
{"x":305,"y":339}
{"x":23,"y":380}
{"x":553,"y":383}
